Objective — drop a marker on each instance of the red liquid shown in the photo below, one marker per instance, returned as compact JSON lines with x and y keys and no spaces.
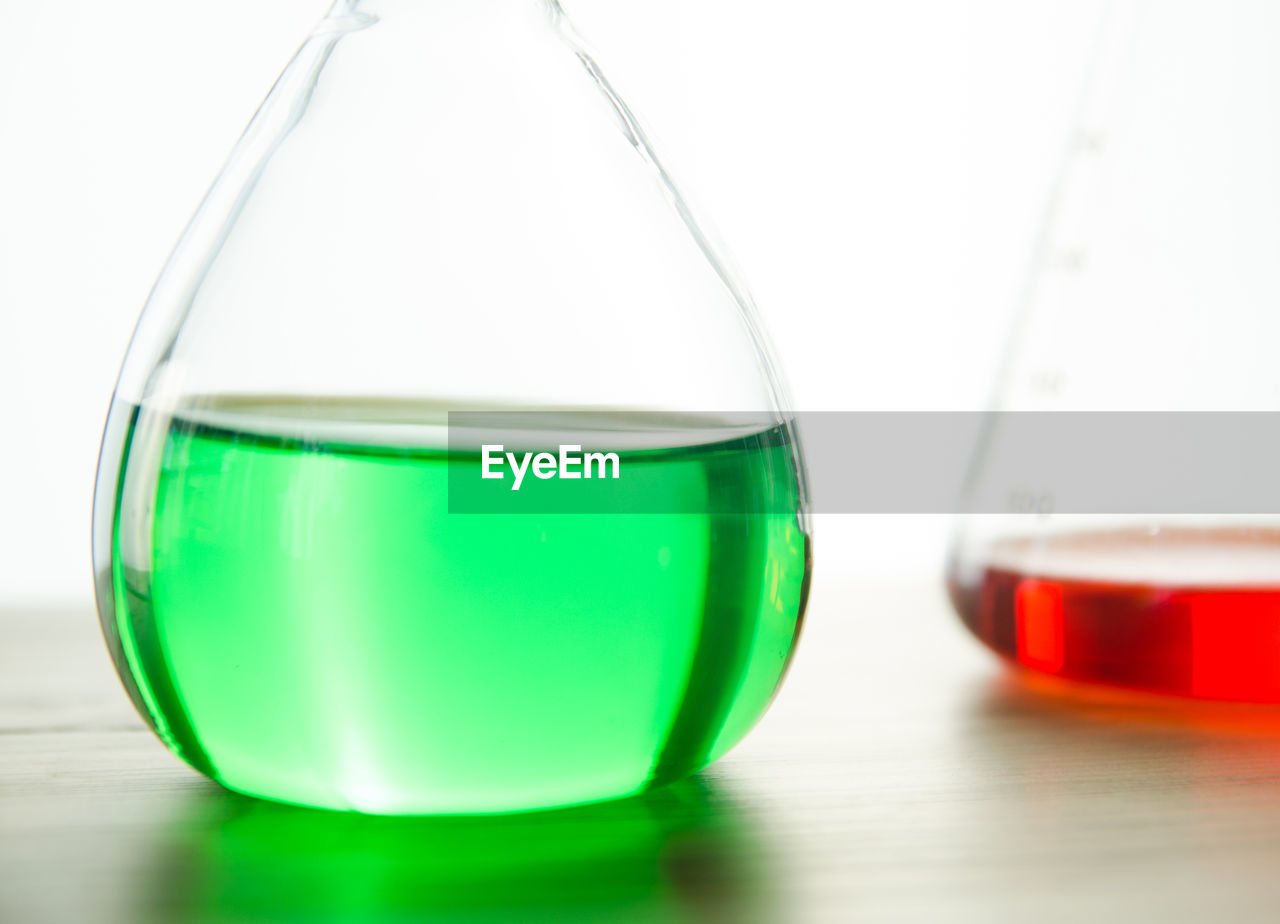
{"x":1185,"y":611}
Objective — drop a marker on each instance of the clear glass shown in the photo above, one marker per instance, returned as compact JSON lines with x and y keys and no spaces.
{"x":1153,"y":290}
{"x":444,"y":206}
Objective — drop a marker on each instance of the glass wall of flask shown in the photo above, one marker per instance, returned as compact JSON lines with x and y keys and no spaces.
{"x":1154,"y":289}
{"x":445,"y":206}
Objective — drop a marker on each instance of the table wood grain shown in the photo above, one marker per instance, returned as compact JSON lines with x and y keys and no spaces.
{"x":902,"y":774}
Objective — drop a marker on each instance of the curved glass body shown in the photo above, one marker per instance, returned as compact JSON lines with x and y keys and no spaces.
{"x":445,"y":207}
{"x":1153,"y":291}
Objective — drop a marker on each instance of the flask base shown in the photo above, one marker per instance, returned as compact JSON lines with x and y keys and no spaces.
{"x":1180,"y":611}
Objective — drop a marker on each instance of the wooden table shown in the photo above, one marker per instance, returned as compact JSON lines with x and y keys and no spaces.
{"x":901,"y":775}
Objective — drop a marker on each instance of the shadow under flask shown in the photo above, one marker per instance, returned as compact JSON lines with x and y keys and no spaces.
{"x":315,"y":585}
{"x":1154,"y":290}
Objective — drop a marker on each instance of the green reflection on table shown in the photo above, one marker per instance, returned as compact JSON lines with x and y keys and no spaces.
{"x":684,"y":852}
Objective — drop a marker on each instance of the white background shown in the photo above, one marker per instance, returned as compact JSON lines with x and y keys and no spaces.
{"x":876,"y":168}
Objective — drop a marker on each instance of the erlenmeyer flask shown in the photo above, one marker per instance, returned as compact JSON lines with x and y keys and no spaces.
{"x":444,"y":206}
{"x":1154,"y":290}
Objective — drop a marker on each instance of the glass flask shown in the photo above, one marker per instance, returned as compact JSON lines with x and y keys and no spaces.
{"x":1153,"y":289}
{"x":444,"y":206}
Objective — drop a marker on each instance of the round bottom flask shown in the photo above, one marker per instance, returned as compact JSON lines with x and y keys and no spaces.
{"x":318,"y":583}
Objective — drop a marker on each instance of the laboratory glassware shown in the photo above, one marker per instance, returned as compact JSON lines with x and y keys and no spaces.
{"x":441,"y":207}
{"x":1153,"y":289}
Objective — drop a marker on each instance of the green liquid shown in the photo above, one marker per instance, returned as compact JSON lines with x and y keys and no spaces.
{"x":303,"y":619}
